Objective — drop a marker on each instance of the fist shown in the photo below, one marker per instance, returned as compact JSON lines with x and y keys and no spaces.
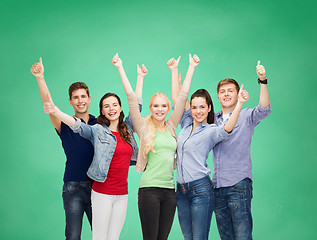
{"x":260,"y":70}
{"x":172,"y":63}
{"x":142,"y":71}
{"x":194,"y":61}
{"x":38,"y":69}
{"x":49,"y":106}
{"x":116,"y":61}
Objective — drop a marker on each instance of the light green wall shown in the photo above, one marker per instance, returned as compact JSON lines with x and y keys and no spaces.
{"x":77,"y":40}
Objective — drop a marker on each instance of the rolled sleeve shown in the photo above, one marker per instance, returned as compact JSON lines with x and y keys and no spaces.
{"x":76,"y":127}
{"x":220,"y":134}
{"x":259,"y":113}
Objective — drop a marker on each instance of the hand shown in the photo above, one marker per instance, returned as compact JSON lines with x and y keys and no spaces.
{"x":243,"y":95}
{"x":260,"y":70}
{"x":49,"y":106}
{"x":38,"y":69}
{"x":116,"y":61}
{"x":173,"y":64}
{"x":194,"y":61}
{"x":142,"y":71}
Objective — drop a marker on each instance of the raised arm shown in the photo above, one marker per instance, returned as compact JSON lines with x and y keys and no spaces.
{"x":38,"y":71}
{"x":135,"y":115}
{"x":142,"y":71}
{"x":193,"y":63}
{"x":242,"y":98}
{"x":176,"y":86}
{"x":264,"y":94}
{"x":51,"y":109}
{"x":117,"y":62}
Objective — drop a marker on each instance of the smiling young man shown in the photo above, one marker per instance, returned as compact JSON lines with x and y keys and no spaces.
{"x":79,"y":154}
{"x":232,"y":176}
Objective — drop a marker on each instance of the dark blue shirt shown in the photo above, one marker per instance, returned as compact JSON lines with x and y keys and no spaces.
{"x":79,"y":153}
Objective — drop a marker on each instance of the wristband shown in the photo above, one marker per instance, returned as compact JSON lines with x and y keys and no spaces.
{"x":262,"y":81}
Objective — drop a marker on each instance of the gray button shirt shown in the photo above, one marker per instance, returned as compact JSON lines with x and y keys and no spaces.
{"x":232,"y":156}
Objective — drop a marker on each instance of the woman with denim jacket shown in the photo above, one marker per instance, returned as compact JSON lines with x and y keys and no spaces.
{"x":195,"y":201}
{"x":114,"y":150}
{"x":157,"y":198}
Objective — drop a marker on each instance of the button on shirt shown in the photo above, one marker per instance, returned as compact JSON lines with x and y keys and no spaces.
{"x":193,"y":148}
{"x":232,"y":157}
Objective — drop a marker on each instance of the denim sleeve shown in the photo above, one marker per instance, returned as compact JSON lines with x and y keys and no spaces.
{"x":128,"y":120}
{"x":186,"y":118}
{"x":257,"y":114}
{"x":217,"y":134}
{"x":84,"y":130}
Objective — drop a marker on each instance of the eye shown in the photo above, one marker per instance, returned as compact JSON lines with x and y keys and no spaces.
{"x":83,"y":96}
{"x":155,"y":105}
{"x":164,"y":105}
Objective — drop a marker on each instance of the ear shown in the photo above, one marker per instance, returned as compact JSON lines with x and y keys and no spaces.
{"x":70,"y":102}
{"x":209,"y":108}
{"x":89,"y":99}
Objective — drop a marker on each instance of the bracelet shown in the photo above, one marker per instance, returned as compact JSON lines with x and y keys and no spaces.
{"x":262,"y":81}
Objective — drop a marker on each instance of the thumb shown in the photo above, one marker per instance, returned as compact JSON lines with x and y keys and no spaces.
{"x":178,"y":58}
{"x":190,"y":56}
{"x":40,"y":60}
{"x":259,"y":63}
{"x":138,"y":65}
{"x":241,"y":89}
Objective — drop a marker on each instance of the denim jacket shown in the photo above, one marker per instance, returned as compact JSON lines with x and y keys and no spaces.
{"x":104,"y":143}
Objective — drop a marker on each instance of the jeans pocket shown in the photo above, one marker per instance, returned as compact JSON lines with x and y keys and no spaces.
{"x":202,"y":190}
{"x":70,"y":188}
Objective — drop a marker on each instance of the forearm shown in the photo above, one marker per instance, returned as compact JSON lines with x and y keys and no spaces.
{"x":125,"y":82}
{"x":44,"y":92}
{"x":139,"y":86}
{"x":175,"y":85}
{"x":264,"y":96}
{"x":233,"y":118}
{"x":68,"y":120}
{"x":188,"y":79}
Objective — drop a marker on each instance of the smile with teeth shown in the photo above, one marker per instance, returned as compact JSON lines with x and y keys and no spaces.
{"x":227,"y":99}
{"x":111,"y":114}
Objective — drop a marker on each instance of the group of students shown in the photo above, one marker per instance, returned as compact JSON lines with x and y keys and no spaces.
{"x":100,"y":150}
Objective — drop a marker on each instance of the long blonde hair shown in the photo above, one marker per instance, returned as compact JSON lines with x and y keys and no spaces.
{"x":150,"y":127}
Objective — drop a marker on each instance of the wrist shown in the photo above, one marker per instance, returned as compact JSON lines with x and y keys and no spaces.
{"x":262,"y":80}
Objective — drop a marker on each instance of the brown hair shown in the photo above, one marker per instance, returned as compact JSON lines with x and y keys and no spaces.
{"x":122,"y":127}
{"x":75,"y":86}
{"x":227,"y":81}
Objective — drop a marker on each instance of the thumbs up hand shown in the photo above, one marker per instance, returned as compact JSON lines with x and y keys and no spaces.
{"x":260,"y":70}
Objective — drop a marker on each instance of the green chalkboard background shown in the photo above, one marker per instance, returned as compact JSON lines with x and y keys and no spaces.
{"x":77,"y":40}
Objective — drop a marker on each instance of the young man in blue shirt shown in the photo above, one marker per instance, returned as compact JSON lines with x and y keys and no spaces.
{"x":79,"y":153}
{"x":232,"y":176}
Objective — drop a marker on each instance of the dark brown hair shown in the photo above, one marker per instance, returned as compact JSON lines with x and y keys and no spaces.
{"x":101,"y":119}
{"x":227,"y":81}
{"x":205,"y":94}
{"x":75,"y":86}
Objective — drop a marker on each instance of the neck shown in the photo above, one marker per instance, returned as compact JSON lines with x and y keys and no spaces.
{"x":159,"y":124}
{"x":83,"y":116}
{"x":226,"y":110}
{"x":114,"y":125}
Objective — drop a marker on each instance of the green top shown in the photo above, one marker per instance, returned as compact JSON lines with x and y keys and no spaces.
{"x":160,"y":166}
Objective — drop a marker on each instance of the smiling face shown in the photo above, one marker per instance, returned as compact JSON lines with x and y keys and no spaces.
{"x":200,"y":109}
{"x":80,"y":101}
{"x":159,"y":107}
{"x":228,"y":96}
{"x":111,"y":108}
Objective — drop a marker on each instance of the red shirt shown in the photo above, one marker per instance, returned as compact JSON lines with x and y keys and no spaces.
{"x":117,"y":178}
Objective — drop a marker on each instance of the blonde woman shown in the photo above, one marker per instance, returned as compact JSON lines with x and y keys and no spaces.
{"x":157,"y":198}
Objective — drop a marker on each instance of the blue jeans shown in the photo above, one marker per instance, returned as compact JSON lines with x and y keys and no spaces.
{"x":233,"y":211}
{"x":195,"y":203}
{"x":76,"y":200}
